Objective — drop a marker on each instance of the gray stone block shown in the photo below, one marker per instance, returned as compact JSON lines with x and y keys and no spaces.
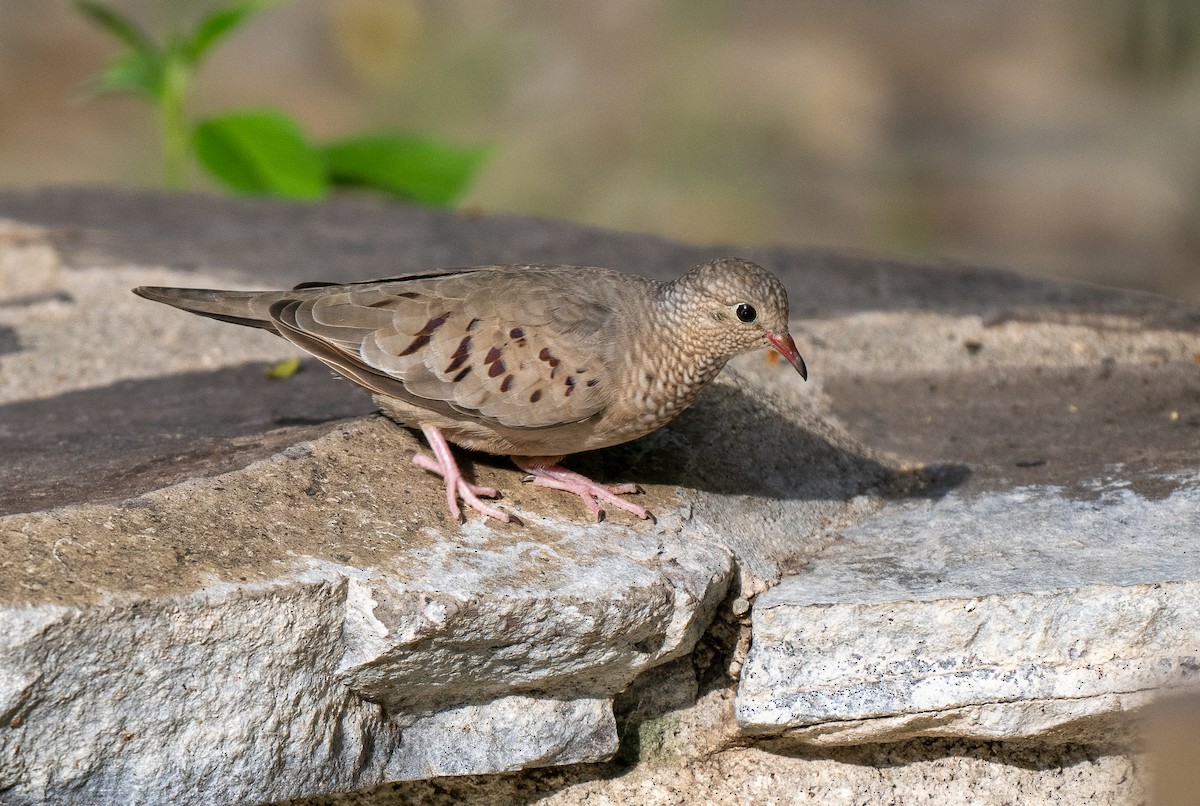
{"x":1010,"y":615}
{"x":176,"y":644}
{"x":980,"y":508}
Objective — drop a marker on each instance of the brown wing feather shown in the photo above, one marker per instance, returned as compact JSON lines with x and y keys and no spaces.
{"x":524,"y":349}
{"x":345,"y":363}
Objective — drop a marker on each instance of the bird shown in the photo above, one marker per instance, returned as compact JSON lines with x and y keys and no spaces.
{"x":533,"y":361}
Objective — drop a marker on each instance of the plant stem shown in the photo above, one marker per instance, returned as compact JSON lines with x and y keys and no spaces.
{"x":172,"y":125}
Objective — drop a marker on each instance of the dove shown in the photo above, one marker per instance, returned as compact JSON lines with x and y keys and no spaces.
{"x":536,"y":362}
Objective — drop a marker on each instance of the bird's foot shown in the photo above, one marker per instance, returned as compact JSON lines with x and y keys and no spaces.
{"x":557,"y":477}
{"x":443,"y":464}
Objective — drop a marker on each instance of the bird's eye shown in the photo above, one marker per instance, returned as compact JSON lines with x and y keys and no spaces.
{"x":746,"y":312}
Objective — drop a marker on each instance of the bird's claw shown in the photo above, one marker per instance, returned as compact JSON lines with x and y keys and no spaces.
{"x":443,"y":464}
{"x":557,"y":477}
{"x":458,"y":487}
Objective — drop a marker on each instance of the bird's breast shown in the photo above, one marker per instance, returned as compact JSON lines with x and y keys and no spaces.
{"x":663,"y":389}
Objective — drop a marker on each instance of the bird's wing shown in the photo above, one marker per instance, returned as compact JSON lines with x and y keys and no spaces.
{"x":524,"y":348}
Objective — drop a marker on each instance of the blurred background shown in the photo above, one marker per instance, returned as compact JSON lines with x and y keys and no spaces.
{"x":1057,"y":137}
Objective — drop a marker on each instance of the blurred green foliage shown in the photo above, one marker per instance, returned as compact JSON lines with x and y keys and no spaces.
{"x":422,"y":169}
{"x":1155,"y":41}
{"x":260,"y":151}
{"x":264,"y":151}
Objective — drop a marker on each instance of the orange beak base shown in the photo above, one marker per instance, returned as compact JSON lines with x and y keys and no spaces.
{"x":787,"y":348}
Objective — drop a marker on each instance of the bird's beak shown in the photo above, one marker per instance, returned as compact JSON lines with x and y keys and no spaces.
{"x":787,"y":348}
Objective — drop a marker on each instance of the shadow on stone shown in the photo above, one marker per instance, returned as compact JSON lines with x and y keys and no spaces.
{"x":131,"y":437}
{"x":732,"y":442}
{"x":10,"y":342}
{"x":1023,"y":426}
{"x":134,"y":436}
{"x":1028,"y":755}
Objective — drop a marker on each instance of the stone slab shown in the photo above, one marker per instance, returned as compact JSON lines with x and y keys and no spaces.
{"x":1006,"y":615}
{"x":175,"y":645}
{"x":209,"y":511}
{"x":199,"y":494}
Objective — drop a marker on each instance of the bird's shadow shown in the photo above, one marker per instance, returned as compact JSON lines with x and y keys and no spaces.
{"x":133,"y":436}
{"x":736,"y":441}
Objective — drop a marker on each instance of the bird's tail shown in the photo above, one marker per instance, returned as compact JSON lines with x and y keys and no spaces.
{"x":249,"y":308}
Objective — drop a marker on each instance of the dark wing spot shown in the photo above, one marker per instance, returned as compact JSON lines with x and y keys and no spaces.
{"x":417,"y":344}
{"x":549,"y":358}
{"x":593,"y":382}
{"x":433,"y":324}
{"x":516,"y":333}
{"x":460,"y":354}
{"x":462,"y":374}
{"x":536,"y":396}
{"x":504,"y":387}
{"x":493,"y":355}
{"x":581,"y":370}
{"x":570,"y":389}
{"x":496,"y":369}
{"x":649,"y":377}
{"x":570,"y":380}
{"x":474,"y":322}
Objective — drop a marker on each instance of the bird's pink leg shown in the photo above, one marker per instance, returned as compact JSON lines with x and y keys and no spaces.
{"x":557,"y":477}
{"x":444,"y":465}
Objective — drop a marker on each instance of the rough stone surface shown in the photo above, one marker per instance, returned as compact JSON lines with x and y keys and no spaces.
{"x":215,"y":410}
{"x":214,"y":582}
{"x":176,"y":621}
{"x":1010,"y":615}
{"x":193,"y":486}
{"x":928,"y":773}
{"x":684,"y":756}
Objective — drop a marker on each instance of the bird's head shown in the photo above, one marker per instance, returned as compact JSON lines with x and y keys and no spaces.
{"x":735,"y":306}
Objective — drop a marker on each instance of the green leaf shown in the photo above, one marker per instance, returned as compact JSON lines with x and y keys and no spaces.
{"x":260,"y":151}
{"x":422,"y":169}
{"x":283,"y":369}
{"x":217,"y":25}
{"x":136,"y":72}
{"x":118,"y":26}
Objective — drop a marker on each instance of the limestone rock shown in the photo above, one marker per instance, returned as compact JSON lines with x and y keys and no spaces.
{"x":330,"y":643}
{"x":211,"y":581}
{"x":1002,"y":616}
